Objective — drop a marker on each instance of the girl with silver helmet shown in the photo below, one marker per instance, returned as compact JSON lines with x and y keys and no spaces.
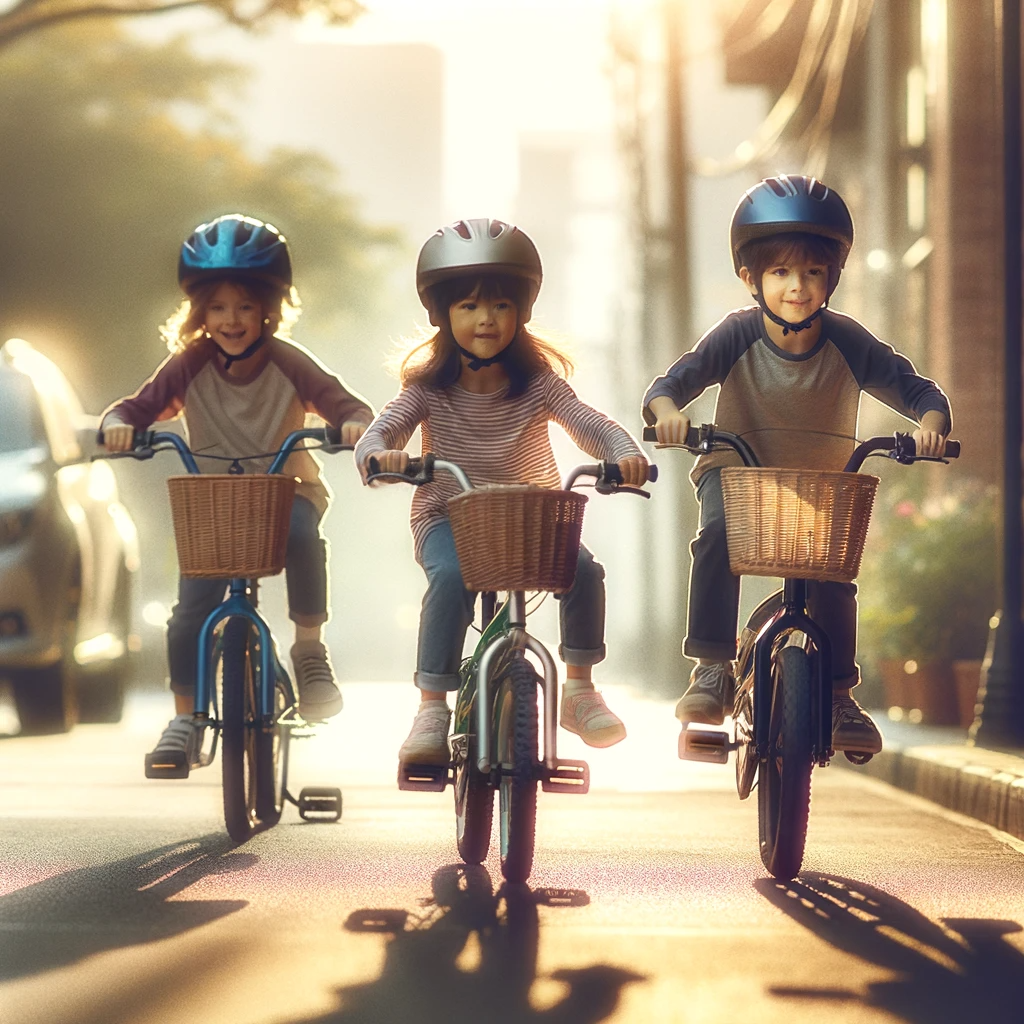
{"x":791,"y":372}
{"x":242,"y":385}
{"x":483,"y":389}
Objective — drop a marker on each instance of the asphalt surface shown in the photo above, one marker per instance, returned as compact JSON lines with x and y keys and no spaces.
{"x":122,"y":900}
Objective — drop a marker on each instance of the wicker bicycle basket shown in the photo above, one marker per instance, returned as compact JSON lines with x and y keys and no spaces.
{"x":797,"y":523}
{"x":517,"y":537}
{"x":230,"y":526}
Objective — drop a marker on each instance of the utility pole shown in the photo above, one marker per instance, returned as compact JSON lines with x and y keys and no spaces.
{"x":1001,"y":721}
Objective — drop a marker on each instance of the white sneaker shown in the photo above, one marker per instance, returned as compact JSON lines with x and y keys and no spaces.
{"x":427,"y":742}
{"x":319,"y":696}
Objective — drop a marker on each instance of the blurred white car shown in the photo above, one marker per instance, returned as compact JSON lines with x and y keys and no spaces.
{"x":68,"y":553}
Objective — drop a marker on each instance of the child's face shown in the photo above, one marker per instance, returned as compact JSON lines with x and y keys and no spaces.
{"x":794,"y":290}
{"x":233,"y":318}
{"x":483,"y":326}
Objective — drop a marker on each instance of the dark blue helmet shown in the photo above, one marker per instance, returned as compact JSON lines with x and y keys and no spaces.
{"x":790,"y":202}
{"x":237,"y":245}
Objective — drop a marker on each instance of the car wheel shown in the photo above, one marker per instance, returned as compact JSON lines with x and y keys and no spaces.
{"x":101,"y":693}
{"x":45,"y":699}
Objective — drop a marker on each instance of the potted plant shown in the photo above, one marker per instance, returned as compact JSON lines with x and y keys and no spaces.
{"x":927,"y":589}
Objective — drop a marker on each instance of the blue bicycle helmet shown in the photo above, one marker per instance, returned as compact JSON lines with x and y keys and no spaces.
{"x":239,"y":245}
{"x":791,"y":203}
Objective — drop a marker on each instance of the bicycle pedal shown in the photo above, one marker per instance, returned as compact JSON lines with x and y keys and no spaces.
{"x":567,"y":777}
{"x":169,"y":764}
{"x":319,"y":803}
{"x":709,"y":745}
{"x":428,"y":778}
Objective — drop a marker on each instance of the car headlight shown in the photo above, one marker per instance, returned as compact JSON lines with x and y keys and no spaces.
{"x":14,"y":525}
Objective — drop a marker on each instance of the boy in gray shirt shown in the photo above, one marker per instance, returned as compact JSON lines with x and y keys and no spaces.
{"x":791,"y":373}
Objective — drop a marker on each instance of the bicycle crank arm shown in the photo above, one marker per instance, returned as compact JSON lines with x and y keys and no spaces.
{"x":710,"y":745}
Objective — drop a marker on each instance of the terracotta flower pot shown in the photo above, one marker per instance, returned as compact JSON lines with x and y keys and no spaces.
{"x":967,"y":677}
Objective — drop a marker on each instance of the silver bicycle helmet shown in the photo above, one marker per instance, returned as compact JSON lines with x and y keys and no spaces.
{"x":474,"y":246}
{"x":235,"y":244}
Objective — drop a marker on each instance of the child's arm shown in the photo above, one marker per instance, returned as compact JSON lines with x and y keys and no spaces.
{"x":597,"y":434}
{"x":389,"y":433}
{"x":161,"y":397}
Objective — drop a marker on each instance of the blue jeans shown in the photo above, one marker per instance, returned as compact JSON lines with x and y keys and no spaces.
{"x":305,"y":575}
{"x":448,"y":610}
{"x":715,"y":595}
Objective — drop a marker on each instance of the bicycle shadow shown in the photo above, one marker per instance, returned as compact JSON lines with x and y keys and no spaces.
{"x":76,"y":914}
{"x":954,"y":969}
{"x":423,"y":982}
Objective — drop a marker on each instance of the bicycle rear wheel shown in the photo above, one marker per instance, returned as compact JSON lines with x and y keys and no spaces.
{"x":272,"y":757}
{"x":784,"y":779}
{"x":516,"y":730}
{"x":474,"y":807}
{"x":239,"y":731}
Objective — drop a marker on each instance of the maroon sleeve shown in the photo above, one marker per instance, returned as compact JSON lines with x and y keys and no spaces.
{"x":319,"y":390}
{"x":161,"y":397}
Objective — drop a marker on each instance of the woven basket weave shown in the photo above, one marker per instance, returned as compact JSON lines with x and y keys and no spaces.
{"x":231,"y":526}
{"x":517,"y":537}
{"x":797,"y":523}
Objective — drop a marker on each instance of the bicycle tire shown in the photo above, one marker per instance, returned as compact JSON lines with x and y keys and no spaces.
{"x":238,"y":730}
{"x":516,"y":731}
{"x":272,"y":759}
{"x":474,"y":808}
{"x":784,"y":778}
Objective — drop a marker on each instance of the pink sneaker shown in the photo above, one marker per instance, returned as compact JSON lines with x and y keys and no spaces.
{"x":588,"y":717}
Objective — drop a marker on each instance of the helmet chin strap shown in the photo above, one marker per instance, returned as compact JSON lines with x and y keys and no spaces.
{"x":785,"y":324}
{"x":478,"y":362}
{"x":229,"y":358}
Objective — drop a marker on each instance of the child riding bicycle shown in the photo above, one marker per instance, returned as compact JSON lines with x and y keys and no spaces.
{"x":242,"y":385}
{"x":483,"y":388}
{"x":791,"y":372}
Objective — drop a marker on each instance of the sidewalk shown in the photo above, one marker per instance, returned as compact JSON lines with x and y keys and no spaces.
{"x":938,"y":764}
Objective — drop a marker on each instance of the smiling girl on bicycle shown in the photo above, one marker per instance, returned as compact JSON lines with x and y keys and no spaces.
{"x":242,"y":386}
{"x":483,"y":388}
{"x":791,"y":373}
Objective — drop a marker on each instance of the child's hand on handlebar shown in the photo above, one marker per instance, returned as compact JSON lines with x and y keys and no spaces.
{"x":390,"y":461}
{"x":119,"y":438}
{"x":352,"y":430}
{"x":634,"y":470}
{"x":671,"y":424}
{"x":929,"y":443}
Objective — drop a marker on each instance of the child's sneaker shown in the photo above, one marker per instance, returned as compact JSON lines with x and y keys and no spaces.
{"x":709,"y":697}
{"x":427,"y":742}
{"x":319,"y":696}
{"x":587,"y":715}
{"x":177,"y":750}
{"x":852,"y":728}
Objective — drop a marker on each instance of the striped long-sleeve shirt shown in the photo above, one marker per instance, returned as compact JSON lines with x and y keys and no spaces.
{"x":495,"y":439}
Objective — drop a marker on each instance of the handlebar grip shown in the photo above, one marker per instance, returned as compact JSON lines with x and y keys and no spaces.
{"x":691,"y":441}
{"x":332,"y":435}
{"x":952,"y":449}
{"x":650,"y":434}
{"x":652,"y":473}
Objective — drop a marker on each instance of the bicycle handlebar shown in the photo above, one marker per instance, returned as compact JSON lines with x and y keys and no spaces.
{"x":146,"y":443}
{"x":899,"y":447}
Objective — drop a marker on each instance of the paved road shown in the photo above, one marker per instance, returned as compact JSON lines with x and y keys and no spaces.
{"x":123,"y":901}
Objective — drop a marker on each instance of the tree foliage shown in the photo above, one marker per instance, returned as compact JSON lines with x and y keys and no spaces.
{"x":29,"y":16}
{"x":102,"y":181}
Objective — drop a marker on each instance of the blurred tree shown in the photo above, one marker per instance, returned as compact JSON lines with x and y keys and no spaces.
{"x":113,"y":151}
{"x":27,"y":16}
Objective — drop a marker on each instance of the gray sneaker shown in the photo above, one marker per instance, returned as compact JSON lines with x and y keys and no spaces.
{"x":177,"y":751}
{"x":319,"y":696}
{"x":710,"y":695}
{"x":852,"y":728}
{"x":427,"y":742}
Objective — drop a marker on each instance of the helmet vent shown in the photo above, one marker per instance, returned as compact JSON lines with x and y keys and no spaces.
{"x":211,"y":235}
{"x":462,"y":230}
{"x":817,"y":190}
{"x":777,"y":187}
{"x":496,"y":228}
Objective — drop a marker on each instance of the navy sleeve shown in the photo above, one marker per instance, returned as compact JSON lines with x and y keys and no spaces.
{"x":708,"y":362}
{"x":885,"y":374}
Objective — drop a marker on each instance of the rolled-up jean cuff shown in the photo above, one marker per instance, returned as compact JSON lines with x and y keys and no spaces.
{"x":183,"y":689}
{"x":308,"y":621}
{"x":708,"y":649}
{"x":574,"y":656}
{"x":435,"y":682}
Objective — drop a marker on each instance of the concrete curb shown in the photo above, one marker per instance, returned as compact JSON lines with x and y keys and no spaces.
{"x":983,"y":784}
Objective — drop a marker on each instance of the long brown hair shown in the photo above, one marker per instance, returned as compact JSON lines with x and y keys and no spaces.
{"x":184,"y":326}
{"x":436,"y":362}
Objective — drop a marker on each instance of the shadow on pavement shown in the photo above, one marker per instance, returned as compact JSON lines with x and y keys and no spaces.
{"x":92,"y":910}
{"x":953,"y":970}
{"x":422,"y":981}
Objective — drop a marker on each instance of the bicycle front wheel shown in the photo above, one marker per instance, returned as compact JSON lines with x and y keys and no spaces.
{"x":474,"y":808}
{"x":239,"y":730}
{"x":784,"y":779}
{"x":272,"y":758}
{"x":516,"y":731}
